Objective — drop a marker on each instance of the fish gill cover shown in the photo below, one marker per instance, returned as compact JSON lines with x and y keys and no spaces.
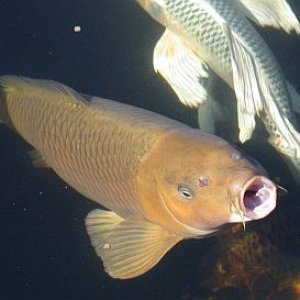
{"x":44,"y":251}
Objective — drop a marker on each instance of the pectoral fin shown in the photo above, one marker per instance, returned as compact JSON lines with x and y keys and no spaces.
{"x":130,"y":247}
{"x":256,"y":97}
{"x":182,"y":69}
{"x":37,"y":159}
{"x":275,"y":13}
{"x":249,"y":84}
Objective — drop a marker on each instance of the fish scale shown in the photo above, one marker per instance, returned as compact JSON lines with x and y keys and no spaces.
{"x":59,"y":127}
{"x":200,"y":26}
{"x":143,"y":167}
{"x":203,"y":37}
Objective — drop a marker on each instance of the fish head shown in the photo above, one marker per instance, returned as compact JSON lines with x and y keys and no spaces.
{"x":203,"y":183}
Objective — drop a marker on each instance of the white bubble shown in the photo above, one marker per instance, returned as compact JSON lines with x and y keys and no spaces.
{"x":77,"y":28}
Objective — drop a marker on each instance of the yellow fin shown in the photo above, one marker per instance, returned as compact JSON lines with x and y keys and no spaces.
{"x":12,"y":85}
{"x":100,"y":224}
{"x":130,"y":247}
{"x":37,"y":159}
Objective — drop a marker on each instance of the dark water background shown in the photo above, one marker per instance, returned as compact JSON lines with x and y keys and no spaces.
{"x":44,"y":249}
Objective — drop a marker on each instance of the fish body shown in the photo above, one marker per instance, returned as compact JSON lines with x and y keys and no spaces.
{"x":161,"y":180}
{"x":203,"y":37}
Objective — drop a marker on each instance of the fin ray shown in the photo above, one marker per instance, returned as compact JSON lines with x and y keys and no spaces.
{"x":182,"y":69}
{"x":256,"y":97}
{"x":275,"y":13}
{"x":37,"y":159}
{"x":246,"y":84}
{"x":128,"y":248}
{"x":38,"y":87}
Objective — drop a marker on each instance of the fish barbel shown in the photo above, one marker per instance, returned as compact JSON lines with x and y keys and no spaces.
{"x":207,"y":37}
{"x":161,"y":180}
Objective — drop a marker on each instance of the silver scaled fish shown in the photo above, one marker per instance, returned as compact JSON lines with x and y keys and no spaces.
{"x":208,"y":37}
{"x":160,"y":180}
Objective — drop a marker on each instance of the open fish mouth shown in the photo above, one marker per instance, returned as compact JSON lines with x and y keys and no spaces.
{"x":258,"y":197}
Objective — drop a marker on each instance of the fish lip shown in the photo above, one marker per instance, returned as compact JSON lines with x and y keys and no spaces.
{"x":258,"y":197}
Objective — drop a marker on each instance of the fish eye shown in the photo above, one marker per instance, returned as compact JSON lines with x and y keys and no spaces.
{"x":203,"y":181}
{"x":185,"y":192}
